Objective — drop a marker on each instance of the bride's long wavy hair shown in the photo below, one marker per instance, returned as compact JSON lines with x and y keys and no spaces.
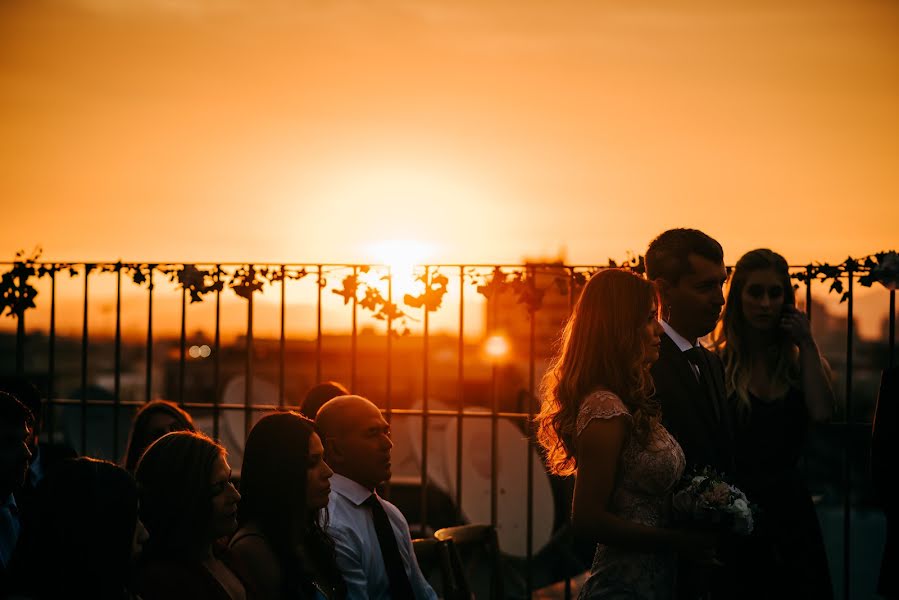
{"x":601,"y":347}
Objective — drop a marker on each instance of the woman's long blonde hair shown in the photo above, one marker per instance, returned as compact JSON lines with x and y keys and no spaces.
{"x":601,"y":347}
{"x":730,"y":341}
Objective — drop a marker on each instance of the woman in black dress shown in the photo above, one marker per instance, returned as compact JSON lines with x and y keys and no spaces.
{"x":778,"y":382}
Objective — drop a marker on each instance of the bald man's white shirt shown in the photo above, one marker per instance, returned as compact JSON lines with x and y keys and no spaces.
{"x":356,"y":542}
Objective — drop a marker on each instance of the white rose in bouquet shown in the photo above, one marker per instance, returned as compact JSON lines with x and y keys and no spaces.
{"x":742,"y":517}
{"x":707,"y":500}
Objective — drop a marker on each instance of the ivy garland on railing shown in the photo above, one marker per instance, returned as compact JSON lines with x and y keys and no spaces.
{"x":434,"y":286}
{"x":17,"y":294}
{"x":522,"y":282}
{"x":372,"y":300}
{"x":881,"y":267}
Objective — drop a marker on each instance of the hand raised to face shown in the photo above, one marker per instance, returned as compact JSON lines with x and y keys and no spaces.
{"x":795,"y":324}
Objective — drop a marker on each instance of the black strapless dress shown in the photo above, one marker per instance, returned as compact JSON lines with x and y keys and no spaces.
{"x":785,"y":555}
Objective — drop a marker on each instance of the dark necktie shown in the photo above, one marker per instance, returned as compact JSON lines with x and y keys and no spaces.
{"x":697,"y":358}
{"x":400,"y":589}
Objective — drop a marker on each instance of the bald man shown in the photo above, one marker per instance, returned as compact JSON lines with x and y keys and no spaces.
{"x":374,"y":547}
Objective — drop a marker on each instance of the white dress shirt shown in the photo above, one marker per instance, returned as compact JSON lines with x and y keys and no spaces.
{"x":358,"y":552}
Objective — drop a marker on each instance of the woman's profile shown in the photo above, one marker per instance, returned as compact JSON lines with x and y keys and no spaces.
{"x":284,"y":487}
{"x":188,"y":503}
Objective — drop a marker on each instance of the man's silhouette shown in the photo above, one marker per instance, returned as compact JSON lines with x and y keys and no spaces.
{"x":687,"y":267}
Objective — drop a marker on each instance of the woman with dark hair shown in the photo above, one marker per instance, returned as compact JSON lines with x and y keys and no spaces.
{"x":188,"y":503}
{"x":284,"y":488}
{"x":778,"y":382}
{"x":152,"y":421}
{"x":319,"y":394}
{"x":599,"y":422}
{"x":85,"y":536}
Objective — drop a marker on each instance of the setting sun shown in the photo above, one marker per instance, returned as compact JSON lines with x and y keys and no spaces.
{"x":402,"y":256}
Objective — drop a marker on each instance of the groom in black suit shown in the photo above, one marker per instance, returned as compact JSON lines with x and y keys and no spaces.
{"x":687,"y":267}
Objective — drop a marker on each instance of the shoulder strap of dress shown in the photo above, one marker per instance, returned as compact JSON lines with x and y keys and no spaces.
{"x":601,"y":404}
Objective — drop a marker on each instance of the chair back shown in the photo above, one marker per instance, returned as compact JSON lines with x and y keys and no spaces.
{"x":440,"y":556}
{"x":479,"y":559}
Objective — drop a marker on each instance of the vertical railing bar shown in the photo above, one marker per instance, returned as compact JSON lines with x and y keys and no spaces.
{"x":117,"y":381}
{"x":424,"y":407}
{"x":283,"y":346}
{"x":84,"y":349}
{"x":808,"y":314}
{"x":532,"y":359}
{"x":460,"y":391}
{"x":389,"y":382}
{"x":20,"y":334}
{"x":248,"y":373}
{"x":808,"y":293}
{"x":571,"y":282}
{"x":389,"y":388}
{"x":182,"y":359}
{"x":847,"y":451}
{"x":148,"y":394}
{"x":51,"y":358}
{"x":216,"y":360}
{"x":318,"y":328}
{"x":494,"y":419}
{"x":892,"y":334}
{"x":353,"y":337}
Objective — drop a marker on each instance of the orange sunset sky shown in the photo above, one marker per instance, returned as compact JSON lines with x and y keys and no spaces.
{"x":274,"y":130}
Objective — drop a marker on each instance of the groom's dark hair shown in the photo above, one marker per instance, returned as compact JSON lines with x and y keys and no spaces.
{"x":668,"y":255}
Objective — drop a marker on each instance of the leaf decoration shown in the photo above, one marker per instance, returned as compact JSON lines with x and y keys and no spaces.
{"x":434,"y":291}
{"x":883,"y":268}
{"x":523,"y":285}
{"x":283,"y":273}
{"x":193,"y":281}
{"x":632,"y":262}
{"x":244,"y":282}
{"x":140,"y":273}
{"x":493,"y":286}
{"x":348,"y":291}
{"x":16,"y":292}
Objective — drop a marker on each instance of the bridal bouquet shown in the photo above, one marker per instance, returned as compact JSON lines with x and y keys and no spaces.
{"x":707,"y":500}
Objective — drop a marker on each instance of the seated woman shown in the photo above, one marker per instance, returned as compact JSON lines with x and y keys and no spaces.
{"x":600,"y":423}
{"x":187,"y":503}
{"x":85,"y":536}
{"x":284,"y":488}
{"x":152,"y":421}
{"x":778,"y":382}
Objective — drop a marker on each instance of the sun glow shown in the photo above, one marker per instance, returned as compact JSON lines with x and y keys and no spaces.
{"x":402,"y":257}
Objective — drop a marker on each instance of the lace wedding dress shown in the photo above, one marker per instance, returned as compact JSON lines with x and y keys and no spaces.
{"x":642,"y":494}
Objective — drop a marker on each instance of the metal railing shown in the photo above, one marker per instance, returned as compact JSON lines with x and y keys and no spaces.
{"x":502,"y":287}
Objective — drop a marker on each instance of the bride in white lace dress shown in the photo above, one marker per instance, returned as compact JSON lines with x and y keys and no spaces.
{"x":599,"y":422}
